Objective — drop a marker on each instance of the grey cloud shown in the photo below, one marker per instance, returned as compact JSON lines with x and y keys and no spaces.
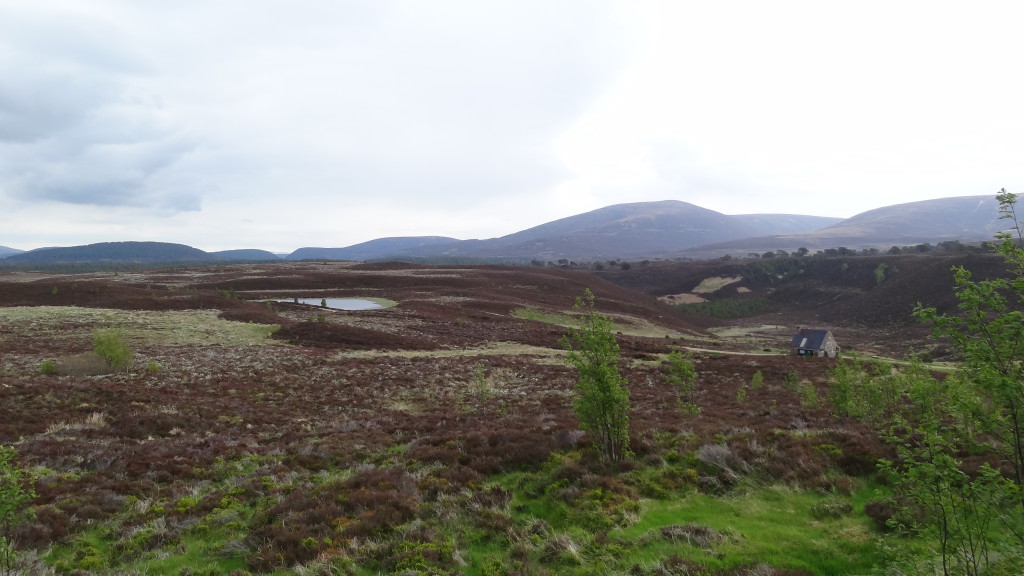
{"x":35,"y":107}
{"x":419,"y":103}
{"x":56,"y":69}
{"x":77,"y":124}
{"x":113,"y":156}
{"x":84,"y":165}
{"x":111,"y":175}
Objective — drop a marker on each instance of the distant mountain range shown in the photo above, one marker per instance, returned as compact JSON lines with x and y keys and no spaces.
{"x":963,"y":218}
{"x":667,"y":229}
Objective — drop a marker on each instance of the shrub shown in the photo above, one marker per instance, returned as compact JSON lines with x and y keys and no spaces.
{"x":680,"y":372}
{"x":791,"y":381}
{"x":109,"y":344}
{"x":741,"y":394}
{"x":830,"y":450}
{"x":880,"y":511}
{"x":808,"y":395}
{"x":757,"y":380}
{"x":186,"y":503}
{"x":880,"y":273}
{"x":13,"y":499}
{"x":48,"y":367}
{"x":722,"y":458}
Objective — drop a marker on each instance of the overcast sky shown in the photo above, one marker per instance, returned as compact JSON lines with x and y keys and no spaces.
{"x":277,"y":125}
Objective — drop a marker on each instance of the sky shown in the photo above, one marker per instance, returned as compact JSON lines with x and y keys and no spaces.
{"x":276,"y":125}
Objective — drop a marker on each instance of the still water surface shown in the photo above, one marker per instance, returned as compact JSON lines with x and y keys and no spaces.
{"x":338,"y":303}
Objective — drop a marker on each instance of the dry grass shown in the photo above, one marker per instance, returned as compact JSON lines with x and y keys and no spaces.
{"x":94,"y":421}
{"x":683,"y":298}
{"x":714,"y":284}
{"x":166,"y":328}
{"x":86,"y":364}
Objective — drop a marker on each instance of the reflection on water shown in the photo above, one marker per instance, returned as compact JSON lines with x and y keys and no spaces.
{"x":336,"y":303}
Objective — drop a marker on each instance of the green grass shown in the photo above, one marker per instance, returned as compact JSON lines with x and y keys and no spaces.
{"x":93,"y":549}
{"x":758,"y":524}
{"x":771,"y":524}
{"x":775,"y":524}
{"x":192,"y":551}
{"x":547,"y":317}
{"x":382,"y":302}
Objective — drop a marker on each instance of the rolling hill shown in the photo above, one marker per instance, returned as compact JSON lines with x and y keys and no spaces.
{"x":636,"y":230}
{"x":102,"y":252}
{"x":373,"y":249}
{"x":6,"y":251}
{"x":963,"y":218}
{"x":133,"y":253}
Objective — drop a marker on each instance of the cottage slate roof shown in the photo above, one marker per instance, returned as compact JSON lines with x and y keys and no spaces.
{"x":809,"y":339}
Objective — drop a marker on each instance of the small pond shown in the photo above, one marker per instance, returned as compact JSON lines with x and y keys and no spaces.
{"x":336,"y":303}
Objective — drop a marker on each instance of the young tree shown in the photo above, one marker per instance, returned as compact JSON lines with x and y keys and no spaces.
{"x":602,"y":400}
{"x":989,"y":332}
{"x":681,"y":374}
{"x":938,"y":496}
{"x":987,"y":392}
{"x":978,"y":410}
{"x":109,"y":344}
{"x":13,"y":499}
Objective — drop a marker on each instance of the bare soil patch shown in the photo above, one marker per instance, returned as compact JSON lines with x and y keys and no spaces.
{"x":684,"y":298}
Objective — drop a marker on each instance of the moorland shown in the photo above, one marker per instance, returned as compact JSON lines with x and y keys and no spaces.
{"x":436,"y":435}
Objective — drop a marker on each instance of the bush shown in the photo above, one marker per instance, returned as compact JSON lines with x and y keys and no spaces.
{"x":757,"y":380}
{"x":109,"y":344}
{"x":791,"y":381}
{"x":679,"y":371}
{"x":880,"y":511}
{"x":13,"y":500}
